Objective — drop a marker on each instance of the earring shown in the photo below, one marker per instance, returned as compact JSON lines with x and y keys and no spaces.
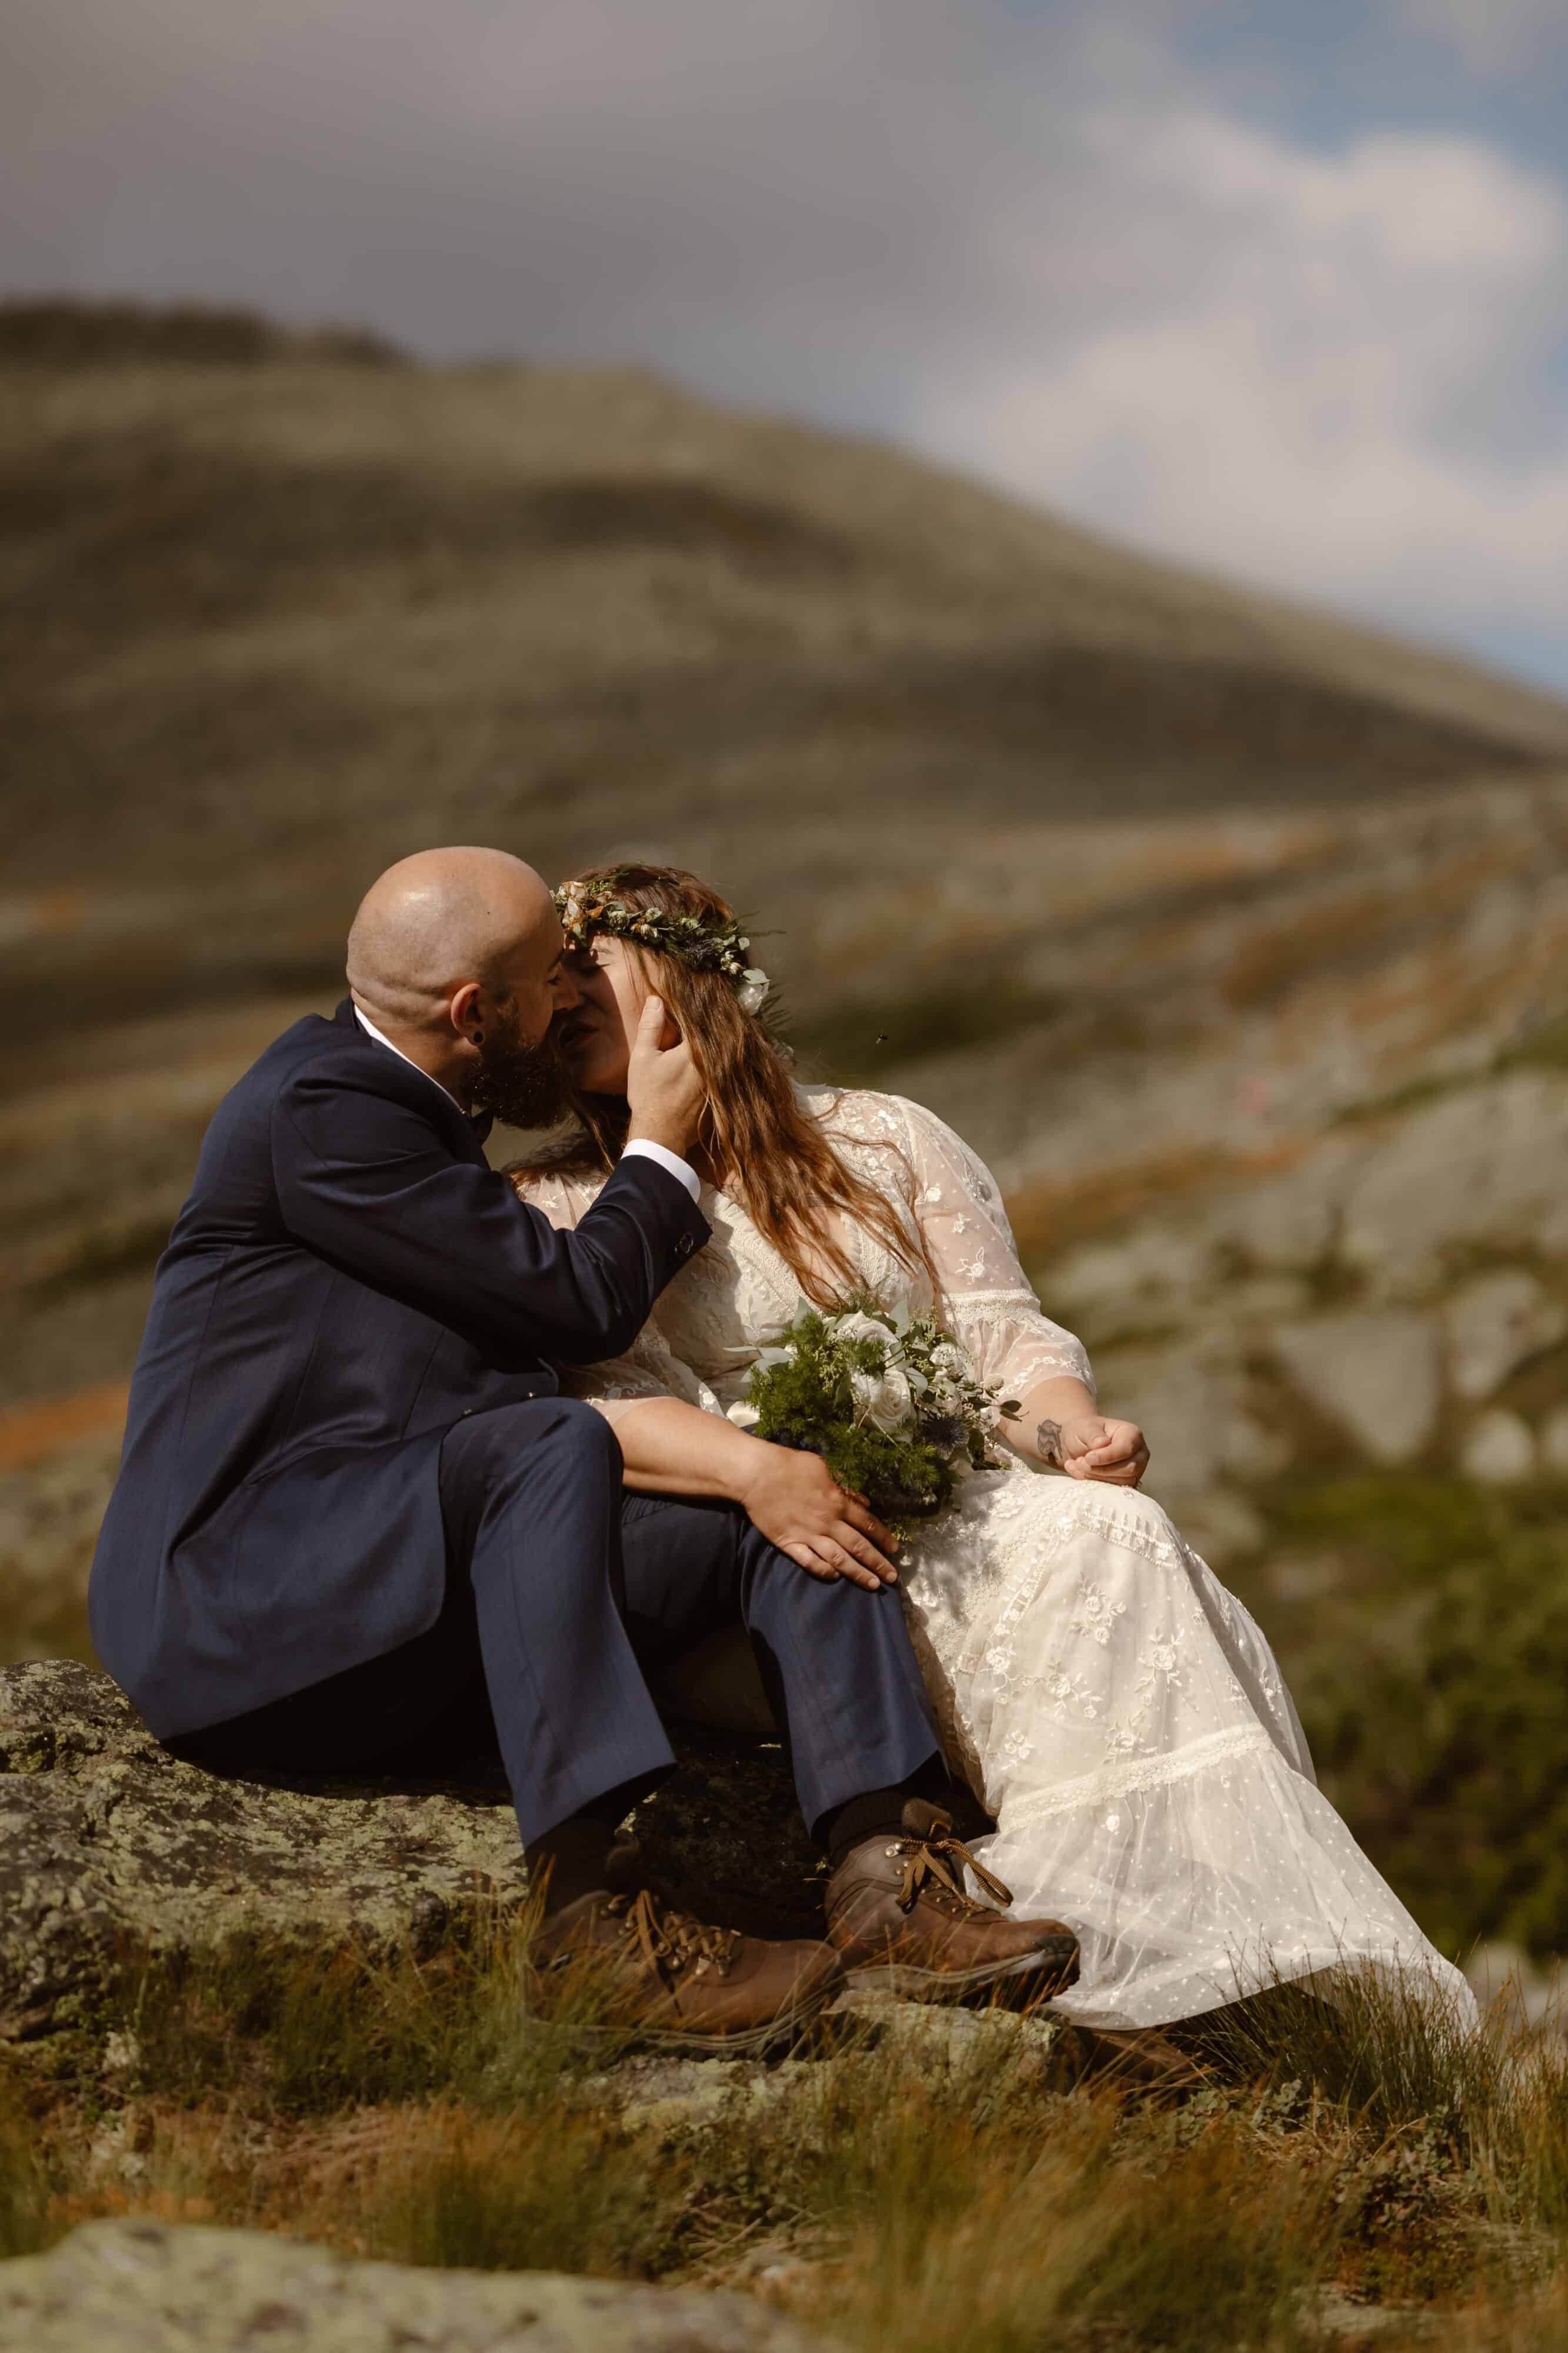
{"x":478,"y":1036}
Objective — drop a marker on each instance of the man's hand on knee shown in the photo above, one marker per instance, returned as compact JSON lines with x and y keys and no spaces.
{"x":799,"y":1507}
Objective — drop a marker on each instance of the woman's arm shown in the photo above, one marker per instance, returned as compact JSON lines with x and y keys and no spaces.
{"x":986,"y":1298}
{"x":1061,"y":1426}
{"x":670,"y":1447}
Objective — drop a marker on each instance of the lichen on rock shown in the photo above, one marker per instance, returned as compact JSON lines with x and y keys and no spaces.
{"x":108,"y":1842}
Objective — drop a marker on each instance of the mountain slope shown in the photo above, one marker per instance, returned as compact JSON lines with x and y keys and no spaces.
{"x":1237,"y":937}
{"x":1053,"y":815}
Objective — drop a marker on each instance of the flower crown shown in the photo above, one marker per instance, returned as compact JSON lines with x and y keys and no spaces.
{"x":702,"y":945}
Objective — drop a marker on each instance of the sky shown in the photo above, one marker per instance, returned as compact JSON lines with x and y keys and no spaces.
{"x":1279,"y":289}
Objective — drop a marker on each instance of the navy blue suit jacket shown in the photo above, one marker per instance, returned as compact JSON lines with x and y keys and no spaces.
{"x":347,"y":1279}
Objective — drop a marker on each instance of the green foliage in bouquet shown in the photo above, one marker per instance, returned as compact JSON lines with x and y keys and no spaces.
{"x":889,"y":1402}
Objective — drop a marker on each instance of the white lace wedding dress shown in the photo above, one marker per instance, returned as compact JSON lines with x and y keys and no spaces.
{"x":1117,"y":1710}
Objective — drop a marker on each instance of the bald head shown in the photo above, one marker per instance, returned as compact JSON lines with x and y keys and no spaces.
{"x":443,"y":919}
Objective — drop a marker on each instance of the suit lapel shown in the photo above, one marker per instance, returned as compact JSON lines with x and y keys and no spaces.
{"x":414,"y":1087}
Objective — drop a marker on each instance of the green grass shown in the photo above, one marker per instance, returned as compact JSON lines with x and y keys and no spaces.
{"x":1432,"y":1686}
{"x":316,"y":2032}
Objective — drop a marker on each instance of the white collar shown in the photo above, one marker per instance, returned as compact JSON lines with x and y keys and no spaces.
{"x":368,"y":1025}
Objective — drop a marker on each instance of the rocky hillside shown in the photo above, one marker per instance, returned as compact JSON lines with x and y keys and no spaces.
{"x":1234,"y":936}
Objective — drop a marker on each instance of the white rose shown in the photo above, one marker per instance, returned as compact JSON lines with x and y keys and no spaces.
{"x":884,"y":1399}
{"x":856,"y":1326}
{"x":744,"y":1416}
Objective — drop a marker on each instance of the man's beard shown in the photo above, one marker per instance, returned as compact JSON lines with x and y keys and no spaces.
{"x":522,"y":1086}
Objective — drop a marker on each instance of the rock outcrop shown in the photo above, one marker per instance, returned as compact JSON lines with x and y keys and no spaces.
{"x":1395,"y":1296}
{"x":108,"y":1842}
{"x":141,"y":2286}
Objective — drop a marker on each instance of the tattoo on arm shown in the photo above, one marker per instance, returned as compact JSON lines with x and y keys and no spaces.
{"x":1049,"y":1443}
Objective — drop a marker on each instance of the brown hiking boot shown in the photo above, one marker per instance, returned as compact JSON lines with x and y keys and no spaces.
{"x":682,"y":1984}
{"x":899,"y":1919}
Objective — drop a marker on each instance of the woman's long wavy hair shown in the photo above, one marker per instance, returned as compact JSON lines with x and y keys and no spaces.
{"x":775,"y":1154}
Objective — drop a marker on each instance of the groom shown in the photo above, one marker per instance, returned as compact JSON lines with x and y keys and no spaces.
{"x":353,"y":1507}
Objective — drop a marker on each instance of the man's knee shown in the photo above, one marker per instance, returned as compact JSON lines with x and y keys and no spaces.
{"x":512,"y":1443}
{"x":580,"y":1433}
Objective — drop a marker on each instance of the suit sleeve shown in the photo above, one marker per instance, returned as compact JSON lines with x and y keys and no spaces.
{"x":368,"y":1183}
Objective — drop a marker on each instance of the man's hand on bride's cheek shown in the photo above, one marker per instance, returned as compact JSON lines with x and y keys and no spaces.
{"x":1114,"y":1454}
{"x":799,"y":1507}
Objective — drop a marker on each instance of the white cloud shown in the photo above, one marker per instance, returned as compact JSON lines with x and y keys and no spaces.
{"x":1320,"y":380}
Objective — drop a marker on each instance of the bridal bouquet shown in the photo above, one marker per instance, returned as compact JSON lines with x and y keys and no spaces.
{"x":889,"y":1401}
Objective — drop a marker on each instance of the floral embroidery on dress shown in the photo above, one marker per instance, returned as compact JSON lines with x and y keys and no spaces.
{"x":1162,"y":1658}
{"x":1096,"y":1614}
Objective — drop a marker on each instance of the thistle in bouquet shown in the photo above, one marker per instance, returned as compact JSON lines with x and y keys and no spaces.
{"x":889,"y":1400}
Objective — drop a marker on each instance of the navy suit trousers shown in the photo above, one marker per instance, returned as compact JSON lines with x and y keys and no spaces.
{"x":560,"y":1589}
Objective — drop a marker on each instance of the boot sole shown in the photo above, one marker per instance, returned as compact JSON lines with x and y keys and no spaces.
{"x":951,"y":1985}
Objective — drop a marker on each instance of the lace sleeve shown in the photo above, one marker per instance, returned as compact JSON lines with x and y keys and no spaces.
{"x":984,"y":1297}
{"x":649,"y":1367}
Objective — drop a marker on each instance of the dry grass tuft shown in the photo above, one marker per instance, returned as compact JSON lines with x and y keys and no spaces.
{"x":916,"y":2186}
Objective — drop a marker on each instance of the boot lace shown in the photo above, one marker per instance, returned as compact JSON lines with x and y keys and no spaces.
{"x":934,"y":1867}
{"x":672,"y":1943}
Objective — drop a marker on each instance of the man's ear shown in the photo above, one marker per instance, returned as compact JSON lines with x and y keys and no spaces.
{"x":466,"y":1012}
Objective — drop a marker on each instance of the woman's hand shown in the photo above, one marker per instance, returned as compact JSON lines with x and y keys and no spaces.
{"x":1113,"y":1452}
{"x":799,"y":1505}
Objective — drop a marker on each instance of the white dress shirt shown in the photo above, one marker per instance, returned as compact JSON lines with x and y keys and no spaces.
{"x":634,"y":1145}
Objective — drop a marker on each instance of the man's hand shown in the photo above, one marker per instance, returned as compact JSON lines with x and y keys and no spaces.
{"x":1113,"y":1452}
{"x":799,"y":1505}
{"x":664,"y":1093}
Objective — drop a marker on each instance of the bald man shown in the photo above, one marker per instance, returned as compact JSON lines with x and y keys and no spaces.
{"x":354,"y":1506}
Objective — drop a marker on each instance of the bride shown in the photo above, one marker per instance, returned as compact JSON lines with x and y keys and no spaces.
{"x":1118,"y":1712}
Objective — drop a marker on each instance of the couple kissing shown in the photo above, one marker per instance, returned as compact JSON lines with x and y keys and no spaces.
{"x":414,"y":1443}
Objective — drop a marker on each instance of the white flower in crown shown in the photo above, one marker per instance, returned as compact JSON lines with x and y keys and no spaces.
{"x":706,"y":945}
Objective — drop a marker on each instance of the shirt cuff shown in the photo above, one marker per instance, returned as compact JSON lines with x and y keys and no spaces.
{"x":637,"y":1146}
